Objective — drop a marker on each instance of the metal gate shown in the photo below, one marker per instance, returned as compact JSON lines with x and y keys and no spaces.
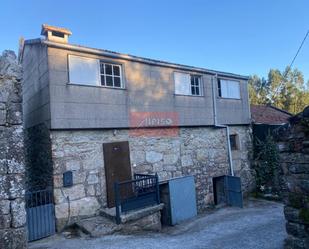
{"x":40,"y":214}
{"x":227,"y":190}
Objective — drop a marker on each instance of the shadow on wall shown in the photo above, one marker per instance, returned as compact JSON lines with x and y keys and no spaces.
{"x":39,"y":166}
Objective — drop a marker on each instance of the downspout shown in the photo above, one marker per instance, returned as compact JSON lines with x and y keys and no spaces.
{"x":221,"y":126}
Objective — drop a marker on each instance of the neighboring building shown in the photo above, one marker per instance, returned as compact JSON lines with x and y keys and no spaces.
{"x":268,"y":114}
{"x":76,"y":99}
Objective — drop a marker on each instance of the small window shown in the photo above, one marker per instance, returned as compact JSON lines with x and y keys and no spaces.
{"x":229,"y":89}
{"x":110,"y":75}
{"x":234,"y":142}
{"x":188,"y":84}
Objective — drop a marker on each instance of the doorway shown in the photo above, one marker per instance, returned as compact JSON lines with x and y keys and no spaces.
{"x":117,"y":167}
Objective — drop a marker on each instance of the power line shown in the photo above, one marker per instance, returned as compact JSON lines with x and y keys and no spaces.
{"x":292,"y":62}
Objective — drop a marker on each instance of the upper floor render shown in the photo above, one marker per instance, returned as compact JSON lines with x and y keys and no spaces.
{"x":69,"y":86}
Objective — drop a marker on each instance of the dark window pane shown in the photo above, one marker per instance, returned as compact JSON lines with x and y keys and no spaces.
{"x":219,"y":88}
{"x":108,"y":69}
{"x":192,"y":90}
{"x":102,"y":68}
{"x":117,"y":82}
{"x":197,"y":81}
{"x":233,"y":142}
{"x":109,"y":80}
{"x":197,"y":91}
{"x":102,"y":80}
{"x":192,"y":80}
{"x":116,"y":70}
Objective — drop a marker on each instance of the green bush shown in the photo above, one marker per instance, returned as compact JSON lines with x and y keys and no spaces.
{"x":267,"y":168}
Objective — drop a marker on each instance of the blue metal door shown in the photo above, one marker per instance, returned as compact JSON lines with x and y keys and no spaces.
{"x":182,"y":199}
{"x":40,"y":214}
{"x":233,"y":191}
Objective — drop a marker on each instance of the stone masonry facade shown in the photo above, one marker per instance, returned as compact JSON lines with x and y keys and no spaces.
{"x":201,"y":152}
{"x":12,"y":167}
{"x":294,"y":160}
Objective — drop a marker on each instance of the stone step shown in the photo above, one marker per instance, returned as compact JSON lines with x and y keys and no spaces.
{"x":134,"y":215}
{"x":97,"y":226}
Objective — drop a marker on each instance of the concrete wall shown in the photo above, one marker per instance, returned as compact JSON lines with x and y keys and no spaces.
{"x":48,"y":97}
{"x":36,"y":104}
{"x":12,"y":166}
{"x":148,"y":88}
{"x":201,"y":152}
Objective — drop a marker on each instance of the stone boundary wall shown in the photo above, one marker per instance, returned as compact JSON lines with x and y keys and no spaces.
{"x":201,"y":152}
{"x":12,"y":167}
{"x":294,"y":160}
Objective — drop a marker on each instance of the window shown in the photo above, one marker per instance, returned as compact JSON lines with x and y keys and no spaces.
{"x":110,"y":75}
{"x":234,"y":142}
{"x":229,"y":89}
{"x":188,"y":84}
{"x":83,"y":71}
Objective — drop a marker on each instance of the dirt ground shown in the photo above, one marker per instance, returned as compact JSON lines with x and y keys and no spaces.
{"x":260,"y":224}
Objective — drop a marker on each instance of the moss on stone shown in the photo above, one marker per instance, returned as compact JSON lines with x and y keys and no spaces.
{"x":304,"y":215}
{"x":296,"y":200}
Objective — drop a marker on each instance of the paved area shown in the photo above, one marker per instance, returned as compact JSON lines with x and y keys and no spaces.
{"x":259,"y":225}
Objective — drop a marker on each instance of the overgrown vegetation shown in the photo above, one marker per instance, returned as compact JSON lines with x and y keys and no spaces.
{"x":267,"y":166}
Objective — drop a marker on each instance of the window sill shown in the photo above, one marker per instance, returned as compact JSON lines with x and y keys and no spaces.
{"x":96,"y":86}
{"x":200,"y":96}
{"x":224,"y":98}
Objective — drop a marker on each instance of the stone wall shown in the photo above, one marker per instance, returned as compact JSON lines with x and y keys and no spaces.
{"x":294,"y":160}
{"x":201,"y":152}
{"x":12,"y":205}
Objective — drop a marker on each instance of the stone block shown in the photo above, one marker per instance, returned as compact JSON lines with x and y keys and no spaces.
{"x":14,"y":114}
{"x":4,"y":207}
{"x":291,"y":214}
{"x":297,"y":230}
{"x":73,"y":165}
{"x":170,"y":159}
{"x":2,"y":117}
{"x":186,"y":161}
{"x":18,"y":213}
{"x":87,"y":206}
{"x":92,"y":179}
{"x":153,"y":156}
{"x":13,"y":238}
{"x":75,"y":192}
{"x":16,"y":186}
{"x":299,"y":168}
{"x":5,"y":221}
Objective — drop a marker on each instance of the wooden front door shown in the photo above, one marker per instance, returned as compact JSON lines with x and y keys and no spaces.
{"x":117,"y":167}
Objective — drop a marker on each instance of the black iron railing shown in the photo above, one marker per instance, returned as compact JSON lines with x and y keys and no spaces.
{"x":134,"y":194}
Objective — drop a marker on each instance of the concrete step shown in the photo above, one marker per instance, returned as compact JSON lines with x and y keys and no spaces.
{"x":97,"y":226}
{"x":134,"y":215}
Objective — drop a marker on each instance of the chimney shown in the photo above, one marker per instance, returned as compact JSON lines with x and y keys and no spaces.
{"x":55,"y":34}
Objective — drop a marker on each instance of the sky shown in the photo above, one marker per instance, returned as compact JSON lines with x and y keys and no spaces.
{"x":243,"y":37}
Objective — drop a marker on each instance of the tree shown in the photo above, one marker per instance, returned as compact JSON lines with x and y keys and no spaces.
{"x":286,"y":90}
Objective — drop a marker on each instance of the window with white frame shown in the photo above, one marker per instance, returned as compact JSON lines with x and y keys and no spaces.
{"x":229,"y":89}
{"x":188,"y":84}
{"x":110,"y":75}
{"x":83,"y":70}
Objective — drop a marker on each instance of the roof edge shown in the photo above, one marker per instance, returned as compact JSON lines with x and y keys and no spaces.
{"x":117,"y":55}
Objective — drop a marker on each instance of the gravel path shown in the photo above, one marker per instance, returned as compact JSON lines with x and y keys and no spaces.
{"x":259,"y":225}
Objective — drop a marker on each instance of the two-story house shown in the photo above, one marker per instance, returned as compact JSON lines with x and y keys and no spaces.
{"x":83,"y":105}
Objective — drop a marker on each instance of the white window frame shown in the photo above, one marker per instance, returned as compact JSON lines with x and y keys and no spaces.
{"x":186,"y":88}
{"x":228,"y":89}
{"x":111,"y":75}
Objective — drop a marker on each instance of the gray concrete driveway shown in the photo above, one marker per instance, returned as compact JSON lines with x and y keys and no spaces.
{"x":260,"y":224}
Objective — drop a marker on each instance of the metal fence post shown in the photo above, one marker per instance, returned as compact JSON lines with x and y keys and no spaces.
{"x":157,"y":189}
{"x":117,"y":202}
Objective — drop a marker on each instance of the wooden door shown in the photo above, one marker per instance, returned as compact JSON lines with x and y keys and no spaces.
{"x":117,"y":167}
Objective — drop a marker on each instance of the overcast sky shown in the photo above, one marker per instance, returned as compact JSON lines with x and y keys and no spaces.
{"x":243,"y":37}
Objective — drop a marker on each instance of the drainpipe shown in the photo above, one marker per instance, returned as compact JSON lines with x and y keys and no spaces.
{"x":221,"y":126}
